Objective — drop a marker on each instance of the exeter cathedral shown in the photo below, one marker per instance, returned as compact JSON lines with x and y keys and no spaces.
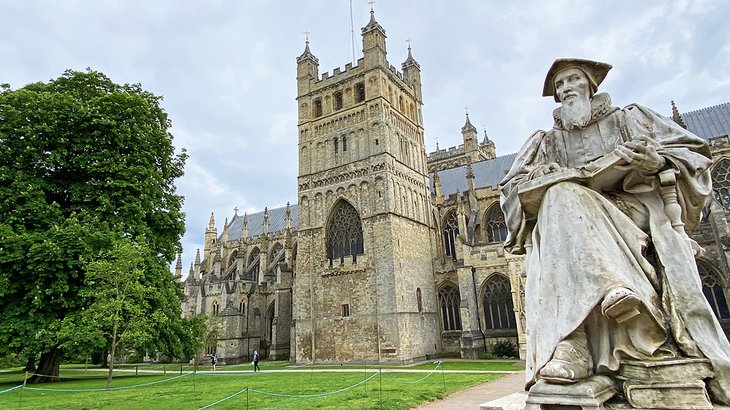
{"x":391,"y":254}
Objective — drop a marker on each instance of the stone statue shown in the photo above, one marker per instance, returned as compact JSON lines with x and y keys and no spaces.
{"x":599,"y":204}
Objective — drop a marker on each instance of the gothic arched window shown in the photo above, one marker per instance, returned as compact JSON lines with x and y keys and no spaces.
{"x":359,"y":92}
{"x":497,"y":302}
{"x":252,"y":267}
{"x":721,"y":183}
{"x":495,"y":225}
{"x":713,"y":291}
{"x":317,"y":107}
{"x":449,"y":301}
{"x":338,"y":100}
{"x":216,"y":308}
{"x":232,"y":258}
{"x":275,"y":250}
{"x":451,"y":230}
{"x":344,"y":233}
{"x":419,"y":300}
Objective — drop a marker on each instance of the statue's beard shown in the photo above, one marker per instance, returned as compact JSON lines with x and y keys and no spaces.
{"x":575,"y":113}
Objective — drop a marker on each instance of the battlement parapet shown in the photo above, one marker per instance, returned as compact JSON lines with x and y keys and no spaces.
{"x":446,"y":153}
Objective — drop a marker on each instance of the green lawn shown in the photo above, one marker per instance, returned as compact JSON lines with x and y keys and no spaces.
{"x":191,"y":391}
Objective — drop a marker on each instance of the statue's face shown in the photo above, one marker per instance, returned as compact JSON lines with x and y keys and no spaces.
{"x":571,"y":83}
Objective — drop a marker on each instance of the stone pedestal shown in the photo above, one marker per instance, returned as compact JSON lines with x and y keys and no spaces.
{"x":666,"y":384}
{"x":590,"y":394}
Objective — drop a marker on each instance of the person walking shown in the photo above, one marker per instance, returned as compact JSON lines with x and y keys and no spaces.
{"x":213,"y":360}
{"x":256,"y":361}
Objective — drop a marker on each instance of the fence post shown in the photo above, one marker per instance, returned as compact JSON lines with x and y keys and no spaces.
{"x":181,"y":369}
{"x":25,"y":381}
{"x":136,"y":370}
{"x":443,"y":379}
{"x":164,"y":370}
{"x":380,"y":370}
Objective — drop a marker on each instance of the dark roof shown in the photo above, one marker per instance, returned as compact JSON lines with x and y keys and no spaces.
{"x":277,"y":222}
{"x":709,"y":122}
{"x":487,"y":173}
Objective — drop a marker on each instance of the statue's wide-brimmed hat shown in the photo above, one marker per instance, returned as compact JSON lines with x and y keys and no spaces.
{"x":595,"y":70}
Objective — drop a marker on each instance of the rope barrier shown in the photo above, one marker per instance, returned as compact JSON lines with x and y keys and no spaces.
{"x":11,"y":389}
{"x":102,"y":372}
{"x":438,"y":364}
{"x":105,"y":389}
{"x":247,"y":389}
{"x":222,"y":400}
{"x":301,"y":396}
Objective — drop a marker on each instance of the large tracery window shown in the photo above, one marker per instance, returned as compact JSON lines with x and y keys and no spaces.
{"x":495,"y":225}
{"x":713,"y":291}
{"x":499,"y":312}
{"x":449,"y":301}
{"x":451,"y":230}
{"x":344,"y":233}
{"x":721,"y":183}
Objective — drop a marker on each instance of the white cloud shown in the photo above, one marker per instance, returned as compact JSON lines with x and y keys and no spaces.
{"x":227,"y":69}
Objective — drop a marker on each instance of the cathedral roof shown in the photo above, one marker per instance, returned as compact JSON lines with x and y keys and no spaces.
{"x":709,"y":122}
{"x":277,"y":222}
{"x":486,"y":174}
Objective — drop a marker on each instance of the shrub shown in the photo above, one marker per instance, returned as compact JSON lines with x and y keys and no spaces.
{"x":502,"y":349}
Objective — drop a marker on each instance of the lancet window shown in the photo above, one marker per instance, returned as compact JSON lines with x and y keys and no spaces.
{"x":713,"y":290}
{"x":338,"y":100}
{"x":449,"y":301}
{"x":344,"y":233}
{"x":359,"y":92}
{"x":497,"y":302}
{"x":450,"y":231}
{"x":721,"y":183}
{"x":495,"y":225}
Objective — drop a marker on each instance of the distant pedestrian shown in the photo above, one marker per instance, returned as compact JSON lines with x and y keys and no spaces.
{"x":213,"y":360}
{"x":256,"y":361}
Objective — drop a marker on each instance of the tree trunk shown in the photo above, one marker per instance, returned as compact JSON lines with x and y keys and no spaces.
{"x":48,"y":367}
{"x":111,"y":358}
{"x":30,"y":366}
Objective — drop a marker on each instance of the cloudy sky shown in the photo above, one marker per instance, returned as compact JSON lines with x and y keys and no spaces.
{"x":226,"y":69}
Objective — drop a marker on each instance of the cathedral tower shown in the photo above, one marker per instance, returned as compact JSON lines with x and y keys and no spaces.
{"x":364,"y":288}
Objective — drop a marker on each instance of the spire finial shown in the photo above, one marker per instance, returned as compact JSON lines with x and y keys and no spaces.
{"x":677,"y":117}
{"x":486,"y":138}
{"x":437,"y":143}
{"x":306,"y":41}
{"x":235,"y":211}
{"x":211,"y":222}
{"x":468,"y":126}
{"x":371,"y":2}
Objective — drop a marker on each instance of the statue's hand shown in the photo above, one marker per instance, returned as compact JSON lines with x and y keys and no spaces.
{"x":641,"y":154}
{"x":544,"y":170}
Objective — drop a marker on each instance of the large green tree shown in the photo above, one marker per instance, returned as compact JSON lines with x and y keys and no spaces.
{"x":83,"y":161}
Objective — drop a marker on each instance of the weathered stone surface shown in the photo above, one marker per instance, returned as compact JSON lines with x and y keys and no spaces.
{"x":599,"y":204}
{"x":590,"y":393}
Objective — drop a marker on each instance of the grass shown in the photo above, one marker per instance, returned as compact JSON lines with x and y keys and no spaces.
{"x":387,"y":390}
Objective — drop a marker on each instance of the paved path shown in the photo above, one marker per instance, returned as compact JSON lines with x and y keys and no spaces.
{"x":472,"y":397}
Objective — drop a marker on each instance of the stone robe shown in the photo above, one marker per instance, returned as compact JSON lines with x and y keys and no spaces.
{"x":583,"y":242}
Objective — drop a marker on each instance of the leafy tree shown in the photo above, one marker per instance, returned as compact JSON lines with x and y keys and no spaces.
{"x":83,"y":161}
{"x":119,"y":309}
